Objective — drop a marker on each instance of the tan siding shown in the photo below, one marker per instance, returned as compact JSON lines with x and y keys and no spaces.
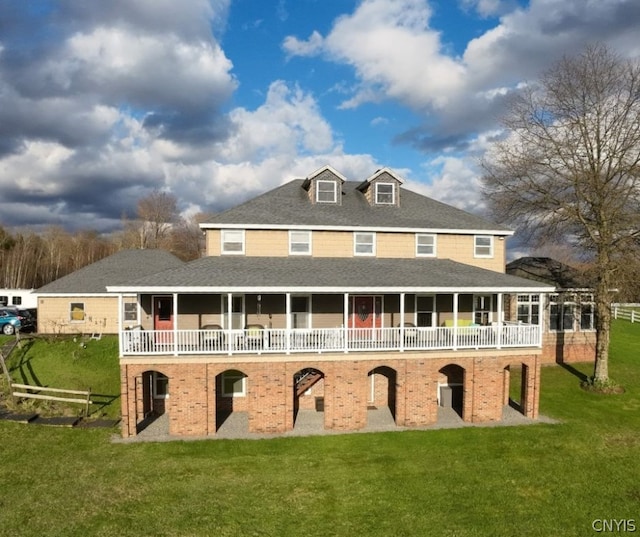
{"x":397,"y":245}
{"x":212,"y":243}
{"x":101,"y":315}
{"x":266,"y":243}
{"x":460,"y":248}
{"x":332,"y":243}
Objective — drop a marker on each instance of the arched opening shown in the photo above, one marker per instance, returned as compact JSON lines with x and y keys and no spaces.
{"x":382,"y":396}
{"x":308,"y":399}
{"x":152,"y":392}
{"x":451,"y":389}
{"x":231,"y":400}
{"x":516,"y":378}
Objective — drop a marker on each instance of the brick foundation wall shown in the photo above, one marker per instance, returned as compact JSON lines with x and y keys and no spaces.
{"x":408,"y":385}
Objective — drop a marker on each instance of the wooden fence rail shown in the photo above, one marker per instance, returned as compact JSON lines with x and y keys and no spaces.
{"x":86,"y":400}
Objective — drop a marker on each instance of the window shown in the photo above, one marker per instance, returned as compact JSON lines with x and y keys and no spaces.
{"x":562,"y":310}
{"x":16,"y":300}
{"x":131,"y":311}
{"x":364,"y":243}
{"x":300,"y":312}
{"x":4,"y":300}
{"x":587,"y":310}
{"x":528,"y":309}
{"x":425,"y":245}
{"x":482,"y":309}
{"x":234,"y":383}
{"x":237,"y":312}
{"x":232,"y":241}
{"x":385,"y":194}
{"x":160,"y":385}
{"x":299,"y":242}
{"x":326,"y":191}
{"x":76,"y":312}
{"x":425,"y":309}
{"x":483,"y":246}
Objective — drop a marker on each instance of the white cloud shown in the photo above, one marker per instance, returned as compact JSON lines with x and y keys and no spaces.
{"x":296,"y":47}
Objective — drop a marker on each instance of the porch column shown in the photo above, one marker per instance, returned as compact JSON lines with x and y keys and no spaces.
{"x":455,"y":321}
{"x":229,"y":322}
{"x":287,"y":301}
{"x":175,"y":324}
{"x":541,"y":310}
{"x":402,"y":322}
{"x":120,"y":324}
{"x":500,"y":314}
{"x":346,"y":322}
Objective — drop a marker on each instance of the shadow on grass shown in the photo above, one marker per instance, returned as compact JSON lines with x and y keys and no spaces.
{"x":101,"y":401}
{"x":582,"y":377}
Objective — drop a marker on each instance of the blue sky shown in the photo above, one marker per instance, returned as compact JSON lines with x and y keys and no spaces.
{"x":219,"y":100}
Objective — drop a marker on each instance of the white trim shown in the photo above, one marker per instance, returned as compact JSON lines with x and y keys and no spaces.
{"x":393,"y":193}
{"x":222,"y":242}
{"x":315,"y":174}
{"x":327,"y":290}
{"x":435,"y":244}
{"x":373,"y":243}
{"x":386,"y":229}
{"x":385,"y":170}
{"x":335,"y":190}
{"x":475,"y":247}
{"x":309,"y":239}
{"x":86,"y":295}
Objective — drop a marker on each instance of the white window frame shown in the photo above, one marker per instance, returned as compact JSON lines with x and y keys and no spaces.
{"x":529,"y":302}
{"x":293,"y":240}
{"x":356,"y":243}
{"x":84,"y":313}
{"x":135,"y":311}
{"x":587,"y":299}
{"x":484,"y":308}
{"x":308,"y":311}
{"x":561,"y":301}
{"x":334,"y":186}
{"x":156,"y":378}
{"x":433,"y":244}
{"x":432,"y":311}
{"x":477,"y":248}
{"x":227,"y":320}
{"x":378,"y":193}
{"x":233,"y":374}
{"x":227,"y":237}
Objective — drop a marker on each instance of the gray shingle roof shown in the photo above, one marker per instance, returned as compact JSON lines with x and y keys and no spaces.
{"x":276,"y":274}
{"x":289,"y":205}
{"x":549,"y":271}
{"x":116,"y":269}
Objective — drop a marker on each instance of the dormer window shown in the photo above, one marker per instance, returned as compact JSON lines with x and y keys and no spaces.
{"x":385,"y":194}
{"x":326,"y":191}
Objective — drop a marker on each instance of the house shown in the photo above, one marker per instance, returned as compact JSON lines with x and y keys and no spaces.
{"x":336,"y":296}
{"x":569,"y":312}
{"x":20,"y":298}
{"x":79,"y":303}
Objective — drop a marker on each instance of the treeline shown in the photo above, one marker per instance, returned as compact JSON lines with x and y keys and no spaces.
{"x":30,"y":259}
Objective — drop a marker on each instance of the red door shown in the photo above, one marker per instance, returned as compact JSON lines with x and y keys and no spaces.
{"x":365,"y":312}
{"x":163,"y":318}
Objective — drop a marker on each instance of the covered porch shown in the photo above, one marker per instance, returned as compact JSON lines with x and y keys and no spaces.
{"x":232,"y":323}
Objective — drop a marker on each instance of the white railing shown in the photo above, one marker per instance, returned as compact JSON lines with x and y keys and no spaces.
{"x":280,"y":340}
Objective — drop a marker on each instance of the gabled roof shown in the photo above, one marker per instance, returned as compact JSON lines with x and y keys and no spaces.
{"x":549,"y":271}
{"x":279,"y":274}
{"x":289,"y":205}
{"x":117,"y":268}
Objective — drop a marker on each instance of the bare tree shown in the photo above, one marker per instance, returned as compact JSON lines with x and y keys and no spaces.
{"x":569,"y":168}
{"x":158,"y":212}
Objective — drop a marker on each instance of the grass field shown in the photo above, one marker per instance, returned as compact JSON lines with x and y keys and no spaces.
{"x":539,"y":479}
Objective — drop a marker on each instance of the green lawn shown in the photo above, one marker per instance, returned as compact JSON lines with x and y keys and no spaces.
{"x":503,"y":481}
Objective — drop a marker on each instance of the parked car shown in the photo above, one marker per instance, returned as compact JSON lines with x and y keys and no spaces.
{"x":9,"y":322}
{"x":27,"y":320}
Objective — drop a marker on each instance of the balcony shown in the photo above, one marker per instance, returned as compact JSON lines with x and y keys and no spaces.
{"x":317,"y":340}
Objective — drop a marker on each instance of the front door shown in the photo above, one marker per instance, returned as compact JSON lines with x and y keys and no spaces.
{"x":366,"y":312}
{"x":163,"y":318}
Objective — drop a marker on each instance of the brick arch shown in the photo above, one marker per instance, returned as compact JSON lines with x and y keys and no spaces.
{"x":517,"y":386}
{"x":452,"y":379}
{"x":308,"y":390}
{"x":232,"y":392}
{"x":152,"y":392}
{"x":382,"y":390}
